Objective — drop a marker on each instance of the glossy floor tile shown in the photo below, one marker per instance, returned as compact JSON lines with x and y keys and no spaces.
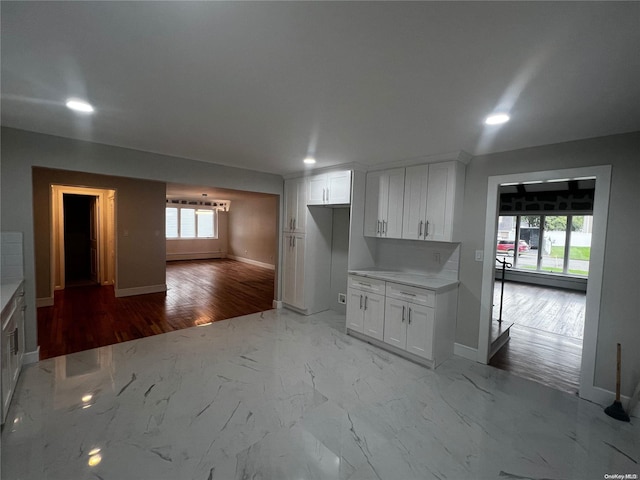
{"x":281,"y":396}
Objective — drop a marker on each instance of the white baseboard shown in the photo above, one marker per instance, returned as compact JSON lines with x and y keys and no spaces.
{"x":31,"y":357}
{"x":252,"y":262}
{"x":129,"y":292}
{"x":465,"y":352}
{"x":277,"y":304}
{"x":44,"y":302}
{"x":195,"y":256}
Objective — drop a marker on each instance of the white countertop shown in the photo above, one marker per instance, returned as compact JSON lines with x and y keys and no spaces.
{"x":7,"y":290}
{"x":432,"y":282}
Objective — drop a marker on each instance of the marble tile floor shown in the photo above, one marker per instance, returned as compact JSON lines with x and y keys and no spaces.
{"x":281,"y":396}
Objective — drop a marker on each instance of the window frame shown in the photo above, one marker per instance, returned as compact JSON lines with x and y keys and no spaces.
{"x":179,"y":222}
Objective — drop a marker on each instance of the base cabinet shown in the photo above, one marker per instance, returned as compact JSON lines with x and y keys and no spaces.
{"x":418,"y":321}
{"x":293,"y":265}
{"x":11,"y":348}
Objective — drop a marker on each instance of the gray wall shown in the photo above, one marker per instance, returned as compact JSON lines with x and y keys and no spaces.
{"x":339,"y":256}
{"x":620,"y":305}
{"x":22,"y":150}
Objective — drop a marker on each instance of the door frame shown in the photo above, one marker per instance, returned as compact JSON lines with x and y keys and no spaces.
{"x":602,"y":175}
{"x":105,"y":231}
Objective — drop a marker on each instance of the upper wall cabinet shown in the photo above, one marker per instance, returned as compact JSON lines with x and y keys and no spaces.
{"x":383,"y":203}
{"x":295,"y":207}
{"x":333,"y":188}
{"x":432,"y":202}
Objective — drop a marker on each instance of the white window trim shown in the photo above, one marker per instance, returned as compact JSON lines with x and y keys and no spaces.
{"x":193,"y":207}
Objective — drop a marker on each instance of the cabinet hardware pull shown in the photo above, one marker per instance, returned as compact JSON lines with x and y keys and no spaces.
{"x":378,"y":229}
{"x":365,"y":301}
{"x":327,"y":195}
{"x":16,"y":343}
{"x":403,"y":309}
{"x":364,"y":284}
{"x":409,"y":315}
{"x":323,"y":191}
{"x":294,"y":223}
{"x":384,"y":227}
{"x":420,"y":229}
{"x":407,"y":293}
{"x":294,"y":241}
{"x":360,"y":302}
{"x":426,"y":229}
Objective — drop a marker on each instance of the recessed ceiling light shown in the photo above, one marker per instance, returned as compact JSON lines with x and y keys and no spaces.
{"x":309,"y":160}
{"x":497,"y":119}
{"x":78,"y":105}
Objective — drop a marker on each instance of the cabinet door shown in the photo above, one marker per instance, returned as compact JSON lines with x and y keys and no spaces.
{"x":439,"y":202}
{"x":293,"y":270}
{"x":395,"y":201}
{"x":395,"y":328}
{"x":339,"y":187}
{"x":288,"y":270}
{"x":355,"y":312}
{"x":317,"y":190}
{"x":374,"y":315}
{"x":8,"y":361}
{"x":371,"y":205}
{"x":295,"y":205}
{"x":415,"y":202}
{"x":420,"y":322}
{"x":298,"y":251}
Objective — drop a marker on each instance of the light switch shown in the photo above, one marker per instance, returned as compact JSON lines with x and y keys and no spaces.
{"x":479,"y":255}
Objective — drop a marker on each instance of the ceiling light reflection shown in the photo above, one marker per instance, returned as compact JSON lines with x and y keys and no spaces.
{"x":78,"y":105}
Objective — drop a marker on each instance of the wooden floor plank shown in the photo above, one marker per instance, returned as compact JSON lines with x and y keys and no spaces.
{"x":545,"y":342}
{"x":198,"y":291}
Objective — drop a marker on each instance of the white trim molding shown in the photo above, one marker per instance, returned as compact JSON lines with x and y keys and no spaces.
{"x":277,"y":304}
{"x":602,"y":174}
{"x":465,"y":352}
{"x":129,"y":292}
{"x":44,"y":302}
{"x":195,"y":256}
{"x":31,"y":357}
{"x":252,"y":262}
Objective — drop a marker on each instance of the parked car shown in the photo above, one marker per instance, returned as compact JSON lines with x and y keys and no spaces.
{"x":508,"y":247}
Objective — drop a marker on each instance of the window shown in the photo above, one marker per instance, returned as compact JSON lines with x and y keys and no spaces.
{"x":546,"y":243}
{"x":191,"y":222}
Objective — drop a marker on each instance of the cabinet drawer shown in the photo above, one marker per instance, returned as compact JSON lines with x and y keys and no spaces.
{"x":366,"y":284}
{"x":416,"y":295}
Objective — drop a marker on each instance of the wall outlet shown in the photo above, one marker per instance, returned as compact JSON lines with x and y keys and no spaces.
{"x":342,"y":298}
{"x":436,"y":257}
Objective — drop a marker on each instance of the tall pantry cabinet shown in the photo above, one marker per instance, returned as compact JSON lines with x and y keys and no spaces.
{"x":306,"y":244}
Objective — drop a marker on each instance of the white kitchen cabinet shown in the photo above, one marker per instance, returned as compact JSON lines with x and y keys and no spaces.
{"x":12,"y":347}
{"x":293,"y":284}
{"x":432,"y":202}
{"x":332,"y":188}
{"x":417,"y":322}
{"x":365,"y":306}
{"x":384,"y":198}
{"x":409,"y":326}
{"x":295,"y":205}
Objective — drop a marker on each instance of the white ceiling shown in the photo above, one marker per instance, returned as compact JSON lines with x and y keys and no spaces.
{"x":261,"y":85}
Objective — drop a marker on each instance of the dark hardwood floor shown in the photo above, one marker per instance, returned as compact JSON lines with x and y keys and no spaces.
{"x":545,"y":342}
{"x":199,"y":292}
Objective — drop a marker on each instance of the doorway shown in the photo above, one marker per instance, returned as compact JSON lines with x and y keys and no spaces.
{"x":83,"y":236}
{"x":602,"y":177}
{"x":81,"y":266}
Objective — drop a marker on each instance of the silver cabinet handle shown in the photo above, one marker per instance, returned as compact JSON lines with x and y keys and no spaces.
{"x":426,"y":229}
{"x":360,"y":302}
{"x":384,"y":227}
{"x":407,"y":293}
{"x":409,"y":315}
{"x":294,"y":241}
{"x":323,"y":194}
{"x":294,"y":223}
{"x":365,"y":301}
{"x":364,"y":284}
{"x":378,"y":229}
{"x":403,"y":309}
{"x":420,"y":228}
{"x":327,"y":195}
